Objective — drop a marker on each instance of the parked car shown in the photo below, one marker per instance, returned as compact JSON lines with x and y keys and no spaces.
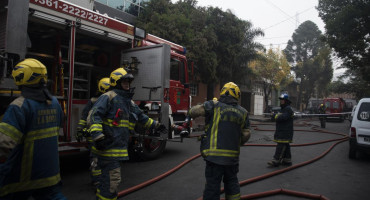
{"x":359,"y":134}
{"x":352,"y":113}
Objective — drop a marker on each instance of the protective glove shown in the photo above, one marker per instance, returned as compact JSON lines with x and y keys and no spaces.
{"x":159,"y":130}
{"x":105,"y":143}
{"x":79,"y":134}
{"x":246,"y":134}
{"x":186,"y":123}
{"x":276,"y":116}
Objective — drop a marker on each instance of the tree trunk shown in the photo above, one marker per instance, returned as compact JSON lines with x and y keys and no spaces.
{"x":299,"y":99}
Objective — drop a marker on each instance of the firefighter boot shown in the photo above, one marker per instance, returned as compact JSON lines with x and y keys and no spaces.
{"x":287,"y":162}
{"x":273,"y":163}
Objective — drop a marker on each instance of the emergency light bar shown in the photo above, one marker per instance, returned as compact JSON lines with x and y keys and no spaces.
{"x":77,"y":13}
{"x":48,"y":17}
{"x":91,"y":29}
{"x":117,"y":37}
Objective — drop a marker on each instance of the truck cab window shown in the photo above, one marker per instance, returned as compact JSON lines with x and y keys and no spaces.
{"x":335,"y":105}
{"x":177,"y":71}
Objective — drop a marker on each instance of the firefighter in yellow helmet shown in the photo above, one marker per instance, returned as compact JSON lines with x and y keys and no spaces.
{"x":322,"y":117}
{"x":29,"y":138}
{"x":112,"y":118}
{"x":227,"y":128}
{"x":103,"y":87}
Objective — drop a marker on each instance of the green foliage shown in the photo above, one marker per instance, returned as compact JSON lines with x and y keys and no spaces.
{"x":354,"y":84}
{"x":347,"y":25}
{"x":305,"y":43}
{"x":220,"y":43}
{"x":311,"y":61}
{"x":273,"y":69}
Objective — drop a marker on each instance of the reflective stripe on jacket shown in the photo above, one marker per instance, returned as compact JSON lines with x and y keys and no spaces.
{"x":85,"y":112}
{"x":115,"y":115}
{"x":33,"y":128}
{"x":225,"y":123}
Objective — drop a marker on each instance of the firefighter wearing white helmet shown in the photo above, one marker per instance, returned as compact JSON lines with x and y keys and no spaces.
{"x":116,"y":114}
{"x":29,"y":138}
{"x":103,"y":86}
{"x":283,"y":134}
{"x":227,"y":128}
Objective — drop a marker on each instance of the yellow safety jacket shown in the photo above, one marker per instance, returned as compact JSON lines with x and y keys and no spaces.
{"x":29,"y":133}
{"x":224,"y":125}
{"x":115,"y":115}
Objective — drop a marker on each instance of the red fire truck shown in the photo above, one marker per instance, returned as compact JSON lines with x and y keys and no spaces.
{"x":336,"y":108}
{"x":79,"y":46}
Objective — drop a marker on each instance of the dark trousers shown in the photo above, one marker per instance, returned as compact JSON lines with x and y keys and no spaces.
{"x":282,"y":151}
{"x":48,"y":193}
{"x":110,"y":178}
{"x":95,"y":171}
{"x":323,"y":122}
{"x":214,"y":174}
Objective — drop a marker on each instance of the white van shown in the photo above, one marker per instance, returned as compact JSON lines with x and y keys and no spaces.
{"x":359,"y":134}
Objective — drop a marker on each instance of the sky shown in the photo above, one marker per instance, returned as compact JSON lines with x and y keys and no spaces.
{"x":277,"y":18}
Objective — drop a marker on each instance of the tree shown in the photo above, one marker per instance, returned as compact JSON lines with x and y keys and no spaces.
{"x":274,"y":71}
{"x":310,"y":60}
{"x":318,"y":73}
{"x":219,"y":42}
{"x":354,"y":85}
{"x":347,"y":25}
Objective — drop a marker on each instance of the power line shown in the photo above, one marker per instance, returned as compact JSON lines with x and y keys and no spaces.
{"x":274,"y":44}
{"x":272,"y":38}
{"x":288,"y":18}
{"x":280,"y":10}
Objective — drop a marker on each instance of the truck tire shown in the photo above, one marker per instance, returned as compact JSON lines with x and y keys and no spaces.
{"x":152,"y":149}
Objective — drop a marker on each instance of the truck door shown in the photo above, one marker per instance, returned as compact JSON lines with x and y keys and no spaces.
{"x":179,"y":87}
{"x":152,"y":76}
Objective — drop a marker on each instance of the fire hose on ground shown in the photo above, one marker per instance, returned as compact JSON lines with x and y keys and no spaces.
{"x":261,"y":177}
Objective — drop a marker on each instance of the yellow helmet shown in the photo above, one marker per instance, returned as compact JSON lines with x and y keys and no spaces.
{"x":119,"y":74}
{"x":232,"y":89}
{"x":29,"y":72}
{"x":103,"y":85}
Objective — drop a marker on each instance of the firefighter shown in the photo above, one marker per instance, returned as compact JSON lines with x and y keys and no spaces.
{"x":29,"y":138}
{"x":112,"y":118}
{"x":103,"y":87}
{"x":283,"y":134}
{"x":227,"y":128}
{"x":322,"y":117}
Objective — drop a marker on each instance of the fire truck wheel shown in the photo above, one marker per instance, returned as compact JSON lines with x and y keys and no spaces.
{"x":150,"y":149}
{"x":153,"y":148}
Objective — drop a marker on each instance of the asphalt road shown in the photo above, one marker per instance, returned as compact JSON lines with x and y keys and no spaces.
{"x":334,"y":176}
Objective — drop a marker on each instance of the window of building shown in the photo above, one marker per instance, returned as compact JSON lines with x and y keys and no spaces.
{"x":102,"y":1}
{"x":117,"y":4}
{"x":130,"y":6}
{"x":193,"y":90}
